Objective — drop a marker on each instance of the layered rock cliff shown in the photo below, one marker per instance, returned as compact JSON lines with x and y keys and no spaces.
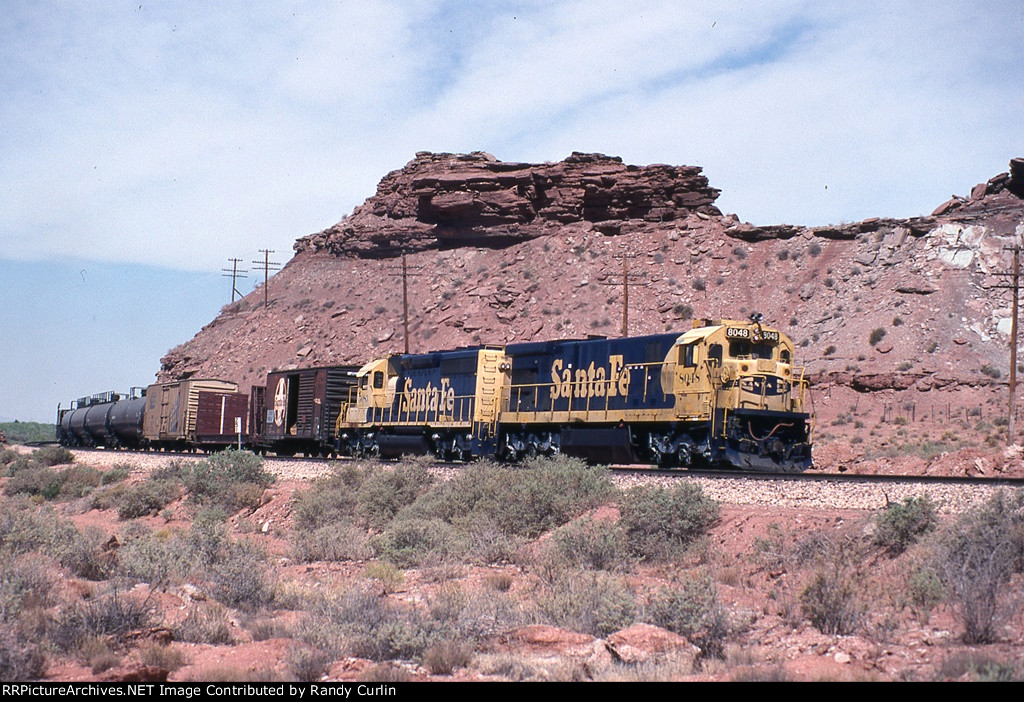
{"x":441,"y":201}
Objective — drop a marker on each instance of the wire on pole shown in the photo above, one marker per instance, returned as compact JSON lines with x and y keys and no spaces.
{"x":267,"y":266}
{"x":234,"y":273}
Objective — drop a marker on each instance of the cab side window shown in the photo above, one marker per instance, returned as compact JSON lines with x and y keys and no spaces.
{"x":784,"y":356}
{"x":690,"y":355}
{"x":378,"y":379}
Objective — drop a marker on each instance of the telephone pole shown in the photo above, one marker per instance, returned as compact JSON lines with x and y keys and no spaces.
{"x":268,"y":266}
{"x":625,"y":283}
{"x":405,"y":298}
{"x":1014,"y":287}
{"x":234,"y":274}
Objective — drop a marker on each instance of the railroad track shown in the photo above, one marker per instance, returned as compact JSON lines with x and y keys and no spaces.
{"x":638,"y":471}
{"x":824,"y":477}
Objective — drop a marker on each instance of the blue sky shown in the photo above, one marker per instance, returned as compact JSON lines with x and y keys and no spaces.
{"x":175,"y":135}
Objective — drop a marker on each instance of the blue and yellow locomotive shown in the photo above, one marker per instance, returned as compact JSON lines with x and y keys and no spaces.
{"x":724,"y":393}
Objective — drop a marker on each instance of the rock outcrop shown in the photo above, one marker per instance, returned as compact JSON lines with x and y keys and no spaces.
{"x":449,"y":200}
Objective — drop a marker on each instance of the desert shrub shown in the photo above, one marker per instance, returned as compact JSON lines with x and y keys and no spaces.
{"x":20,"y":658}
{"x":445,"y":656}
{"x":362,"y":624}
{"x":264,"y":629}
{"x":162,"y":656}
{"x":332,"y":542}
{"x":205,"y":624}
{"x":500,"y":581}
{"x":661,"y":523}
{"x":78,"y":481}
{"x":96,"y":654}
{"x":20,"y":462}
{"x":476,"y":614}
{"x":159,"y":559}
{"x":991,"y":371}
{"x":693,"y":611}
{"x":307,"y":664}
{"x":876,"y":335}
{"x":385,"y":673}
{"x":975,"y":558}
{"x":330,"y":500}
{"x":241,"y":578}
{"x":683,"y":311}
{"x":53,"y":456}
{"x":526,"y":501}
{"x":389,"y":576}
{"x":111,"y":616}
{"x":233,"y":479}
{"x":384,"y":493}
{"x":979,"y":666}
{"x":924,"y":590}
{"x":146,"y":498}
{"x":831,"y":601}
{"x":592,"y":544}
{"x":24,"y":530}
{"x":595,"y":603}
{"x":487,"y":542}
{"x":409,"y":542}
{"x":33,"y":479}
{"x":902,"y":524}
{"x":117,"y":474}
{"x":25,"y":582}
{"x":81,"y":552}
{"x":8,"y":456}
{"x":776,"y":673}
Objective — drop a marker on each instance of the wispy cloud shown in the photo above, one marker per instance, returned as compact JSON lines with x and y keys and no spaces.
{"x":183,"y":134}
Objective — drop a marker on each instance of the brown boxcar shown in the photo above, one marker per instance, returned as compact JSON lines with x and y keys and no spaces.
{"x":222,"y":419}
{"x":172,"y":410}
{"x":301,"y":406}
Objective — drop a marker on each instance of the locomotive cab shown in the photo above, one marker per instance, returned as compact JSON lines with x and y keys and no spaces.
{"x":740,"y":377}
{"x":376,"y":391}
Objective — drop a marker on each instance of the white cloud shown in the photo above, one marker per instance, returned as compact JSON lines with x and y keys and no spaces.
{"x":184,"y":134}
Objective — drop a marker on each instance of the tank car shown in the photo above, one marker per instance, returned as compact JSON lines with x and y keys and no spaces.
{"x":106,"y":419}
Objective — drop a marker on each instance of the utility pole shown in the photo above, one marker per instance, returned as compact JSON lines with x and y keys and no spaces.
{"x":268,"y":266}
{"x":625,"y":283}
{"x":1014,"y":287}
{"x":234,"y":274}
{"x":405,"y":298}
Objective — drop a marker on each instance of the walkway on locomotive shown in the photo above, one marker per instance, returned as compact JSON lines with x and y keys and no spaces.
{"x":448,"y":389}
{"x":661,"y":378}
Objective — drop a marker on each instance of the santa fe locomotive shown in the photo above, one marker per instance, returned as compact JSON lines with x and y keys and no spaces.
{"x":725,"y":393}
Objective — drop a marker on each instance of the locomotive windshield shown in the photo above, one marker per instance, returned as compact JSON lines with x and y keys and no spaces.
{"x":739,"y":348}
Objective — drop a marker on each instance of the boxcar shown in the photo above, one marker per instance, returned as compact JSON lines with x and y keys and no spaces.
{"x":301,"y":408}
{"x":172,"y":410}
{"x":222,"y":419}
